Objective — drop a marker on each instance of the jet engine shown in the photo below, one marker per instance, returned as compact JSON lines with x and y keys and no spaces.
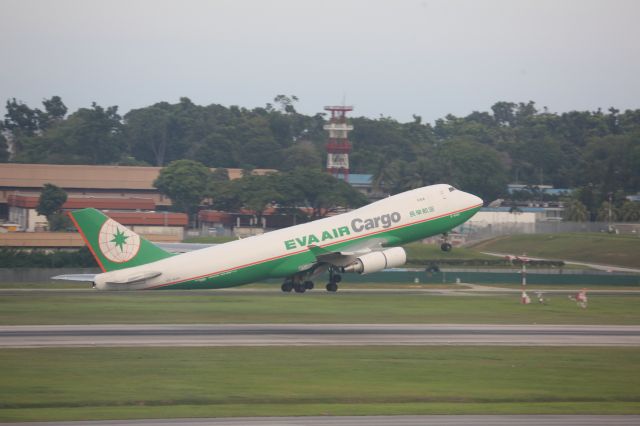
{"x":377,"y":261}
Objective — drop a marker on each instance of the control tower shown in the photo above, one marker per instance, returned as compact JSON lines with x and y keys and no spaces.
{"x":338,"y":147}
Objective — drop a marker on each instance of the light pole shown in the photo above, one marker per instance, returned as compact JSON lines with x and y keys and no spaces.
{"x":610,"y":200}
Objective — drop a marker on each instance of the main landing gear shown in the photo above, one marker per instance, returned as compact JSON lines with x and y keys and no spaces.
{"x":296,"y":283}
{"x":299,"y":286}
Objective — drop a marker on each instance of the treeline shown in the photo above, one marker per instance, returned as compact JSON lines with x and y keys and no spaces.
{"x":597,"y":152}
{"x":190,"y":185}
{"x":17,"y":258}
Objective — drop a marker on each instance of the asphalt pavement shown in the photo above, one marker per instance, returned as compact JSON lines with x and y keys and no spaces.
{"x":432,"y":420}
{"x":315,"y":334}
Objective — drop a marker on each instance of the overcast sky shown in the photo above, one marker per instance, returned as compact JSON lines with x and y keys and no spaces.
{"x":394,"y":58}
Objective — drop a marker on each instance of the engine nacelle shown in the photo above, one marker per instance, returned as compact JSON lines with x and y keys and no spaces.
{"x":377,"y":261}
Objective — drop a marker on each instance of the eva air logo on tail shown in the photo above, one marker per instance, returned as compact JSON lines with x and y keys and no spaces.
{"x":117,"y":243}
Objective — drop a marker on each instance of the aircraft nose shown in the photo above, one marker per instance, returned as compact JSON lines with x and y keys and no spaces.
{"x":475,"y":200}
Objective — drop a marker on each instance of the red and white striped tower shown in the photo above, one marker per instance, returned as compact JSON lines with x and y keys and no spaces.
{"x":338,"y":147}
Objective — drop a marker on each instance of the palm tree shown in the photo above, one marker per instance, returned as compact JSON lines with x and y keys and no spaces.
{"x":603,"y":212}
{"x":575,"y":211}
{"x":630,"y":211}
{"x":382,"y":177}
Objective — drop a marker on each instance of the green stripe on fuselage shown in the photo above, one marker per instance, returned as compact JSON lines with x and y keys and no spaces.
{"x":288,"y":265}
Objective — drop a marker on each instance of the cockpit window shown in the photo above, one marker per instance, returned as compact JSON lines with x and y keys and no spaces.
{"x":451,"y":189}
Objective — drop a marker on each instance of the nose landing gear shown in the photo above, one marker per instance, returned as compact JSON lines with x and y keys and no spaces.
{"x":446,"y":245}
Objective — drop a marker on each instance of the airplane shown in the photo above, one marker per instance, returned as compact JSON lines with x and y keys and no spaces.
{"x":361,"y":241}
{"x":523,"y":258}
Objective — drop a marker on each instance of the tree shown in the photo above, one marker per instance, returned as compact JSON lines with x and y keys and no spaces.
{"x":320,"y":191}
{"x":595,"y":149}
{"x":630,"y":211}
{"x":255,"y":193}
{"x":55,"y":108}
{"x":4,"y":148}
{"x":504,"y":113}
{"x":54,"y":112}
{"x":383,"y":176}
{"x":290,"y":191}
{"x":575,"y":211}
{"x":301,"y":155}
{"x":20,"y":119}
{"x":186,"y":183}
{"x":24,"y":122}
{"x":88,"y":136}
{"x":220,"y":175}
{"x":610,"y":162}
{"x":604,"y":210}
{"x":472,"y":167}
{"x":286,"y":103}
{"x":51,"y":200}
{"x":147,"y":133}
{"x":217,"y":150}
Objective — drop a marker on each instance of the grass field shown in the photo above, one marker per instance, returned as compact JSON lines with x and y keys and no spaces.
{"x":64,"y":384}
{"x":217,"y":307}
{"x":67,"y":384}
{"x":621,"y":250}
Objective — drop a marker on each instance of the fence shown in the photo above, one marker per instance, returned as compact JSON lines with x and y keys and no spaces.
{"x":474,"y":232}
{"x":495,"y":277}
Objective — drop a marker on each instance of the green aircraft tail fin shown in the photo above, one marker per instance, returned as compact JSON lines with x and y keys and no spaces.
{"x":113,"y":245}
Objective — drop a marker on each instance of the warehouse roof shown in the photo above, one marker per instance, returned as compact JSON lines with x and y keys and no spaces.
{"x":115,"y":203}
{"x":14,"y":175}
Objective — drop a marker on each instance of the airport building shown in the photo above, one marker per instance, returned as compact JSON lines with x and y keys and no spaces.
{"x":126,"y":193}
{"x":122,"y":190}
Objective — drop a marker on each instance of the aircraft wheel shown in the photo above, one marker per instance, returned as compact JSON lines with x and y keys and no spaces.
{"x":332,"y":287}
{"x":308,"y":285}
{"x":300,"y":288}
{"x":445,"y":247}
{"x":287,"y":286}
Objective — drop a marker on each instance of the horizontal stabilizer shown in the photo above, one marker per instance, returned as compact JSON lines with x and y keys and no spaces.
{"x":75,"y":277}
{"x":137,"y":277}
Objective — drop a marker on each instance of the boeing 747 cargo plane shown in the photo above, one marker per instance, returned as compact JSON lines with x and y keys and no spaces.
{"x":361,"y":241}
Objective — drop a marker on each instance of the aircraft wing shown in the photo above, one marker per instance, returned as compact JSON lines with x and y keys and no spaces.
{"x":348,"y":254}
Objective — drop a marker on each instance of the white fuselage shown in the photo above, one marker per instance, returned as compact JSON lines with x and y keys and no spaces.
{"x":389,"y":213}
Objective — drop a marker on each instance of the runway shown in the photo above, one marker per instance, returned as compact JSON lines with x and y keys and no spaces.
{"x":315,"y":334}
{"x":462,"y":290}
{"x":432,"y":420}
